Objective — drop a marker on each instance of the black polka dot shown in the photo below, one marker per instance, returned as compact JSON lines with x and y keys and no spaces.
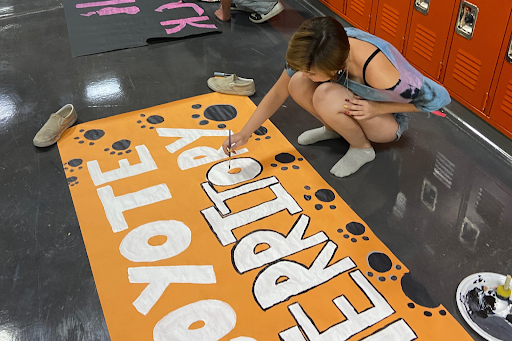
{"x":318,"y":207}
{"x":76,"y":138}
{"x":261,"y":131}
{"x":196,"y":106}
{"x":80,"y":167}
{"x":398,"y":267}
{"x":427,"y":313}
{"x":353,"y":240}
{"x":139,"y":121}
{"x":75,"y":162}
{"x":300,"y":159}
{"x":257,"y":139}
{"x":80,"y":142}
{"x":128,"y":151}
{"x":82,"y":130}
{"x":151,"y":127}
{"x":393,"y":278}
{"x":273,"y":165}
{"x":307,"y":188}
{"x":121,"y":144}
{"x":442,"y":312}
{"x":370,"y":274}
{"x":120,"y":153}
{"x":72,"y":179}
{"x":112,"y":153}
{"x":220,"y":112}
{"x":142,"y":115}
{"x":143,"y":126}
{"x":106,"y":149}
{"x":339,"y":230}
{"x":366,"y":238}
{"x":307,"y":197}
{"x":295,"y":167}
{"x":76,"y":183}
{"x":382,"y":279}
{"x":346,"y":236}
{"x":285,"y":158}
{"x":325,"y":195}
{"x":94,"y":134}
{"x":332,"y":207}
{"x":355,"y":228}
{"x":155,"y":119}
{"x":221,"y":126}
{"x":267,"y":137}
{"x":72,"y":184}
{"x":284,"y":168}
{"x":196,"y":116}
{"x":411,"y":305}
{"x":91,"y":143}
{"x":379,"y":262}
{"x":203,"y":122}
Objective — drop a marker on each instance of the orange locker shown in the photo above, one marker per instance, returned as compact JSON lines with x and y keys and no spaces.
{"x":429,"y":33}
{"x":337,"y":4}
{"x":391,"y":24}
{"x":359,"y":13}
{"x":479,"y":30}
{"x":501,"y":110}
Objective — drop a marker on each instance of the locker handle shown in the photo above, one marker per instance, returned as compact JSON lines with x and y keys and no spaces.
{"x":422,"y":6}
{"x":466,"y":19}
{"x":509,"y":52}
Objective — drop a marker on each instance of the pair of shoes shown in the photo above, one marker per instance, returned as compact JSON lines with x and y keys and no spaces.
{"x":259,"y":18}
{"x":232,"y":85}
{"x":55,"y":126}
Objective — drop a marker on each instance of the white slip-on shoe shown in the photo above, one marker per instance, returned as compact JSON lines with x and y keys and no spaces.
{"x":55,"y":126}
{"x":232,"y":85}
{"x":257,"y":18}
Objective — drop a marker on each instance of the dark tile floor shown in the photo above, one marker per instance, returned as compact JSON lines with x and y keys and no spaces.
{"x":438,"y":198}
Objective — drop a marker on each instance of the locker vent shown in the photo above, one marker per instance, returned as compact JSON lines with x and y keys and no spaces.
{"x":357,"y":6}
{"x":467,"y":69}
{"x":489,"y":208}
{"x":506,"y":105}
{"x":389,"y":21}
{"x":424,"y":42}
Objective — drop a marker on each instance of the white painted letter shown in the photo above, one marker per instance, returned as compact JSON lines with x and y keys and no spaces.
{"x":159,"y":278}
{"x":125,"y":170}
{"x":199,"y":156}
{"x":187,"y":136}
{"x":298,"y":279}
{"x":219,"y":173}
{"x":219,"y":319}
{"x":115,"y":206}
{"x":136,"y":248}
{"x":245,"y":258}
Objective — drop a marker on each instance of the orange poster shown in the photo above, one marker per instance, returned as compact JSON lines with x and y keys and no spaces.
{"x":184,"y":248}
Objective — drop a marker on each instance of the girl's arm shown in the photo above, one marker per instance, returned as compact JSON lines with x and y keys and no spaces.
{"x":268,"y":106}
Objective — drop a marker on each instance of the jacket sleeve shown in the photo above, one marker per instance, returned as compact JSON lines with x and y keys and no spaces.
{"x":431,"y":96}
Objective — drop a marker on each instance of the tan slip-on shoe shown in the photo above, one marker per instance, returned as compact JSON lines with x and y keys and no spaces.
{"x":55,"y":126}
{"x":232,"y":85}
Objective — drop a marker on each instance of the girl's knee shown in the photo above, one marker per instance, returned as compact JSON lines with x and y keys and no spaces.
{"x":330,"y":96}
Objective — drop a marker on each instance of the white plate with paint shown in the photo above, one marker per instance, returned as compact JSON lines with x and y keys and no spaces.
{"x":494,"y":324}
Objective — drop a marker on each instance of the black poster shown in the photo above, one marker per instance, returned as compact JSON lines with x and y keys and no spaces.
{"x":101,"y":26}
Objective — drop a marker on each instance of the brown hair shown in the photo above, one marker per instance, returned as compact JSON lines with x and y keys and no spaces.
{"x":319,"y":43}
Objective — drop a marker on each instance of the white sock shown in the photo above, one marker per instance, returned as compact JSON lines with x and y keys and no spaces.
{"x":317,"y":134}
{"x":352,"y":161}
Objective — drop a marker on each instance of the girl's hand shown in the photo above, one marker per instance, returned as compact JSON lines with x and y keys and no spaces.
{"x":360,"y":109}
{"x":237,"y":141}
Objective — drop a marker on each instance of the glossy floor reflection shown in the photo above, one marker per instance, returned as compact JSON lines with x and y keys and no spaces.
{"x":437,"y":198}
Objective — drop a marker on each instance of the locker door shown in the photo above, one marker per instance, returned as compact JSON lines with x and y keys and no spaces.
{"x":479,"y":28}
{"x":501,"y":111}
{"x":359,"y":11}
{"x":391,"y":22}
{"x":427,"y":42}
{"x":338,"y":4}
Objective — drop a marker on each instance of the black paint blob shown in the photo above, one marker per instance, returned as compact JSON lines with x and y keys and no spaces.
{"x":393,"y":278}
{"x":106,"y":149}
{"x":398,"y":267}
{"x":285,"y":158}
{"x":75,"y":162}
{"x":300,"y":159}
{"x":295,"y":167}
{"x":142,"y":115}
{"x":366,"y":238}
{"x":76,"y":138}
{"x":91,"y":143}
{"x":112,"y":153}
{"x":307,"y":188}
{"x":80,"y":142}
{"x":284,"y":168}
{"x":221,"y":126}
{"x":120,"y":153}
{"x":307,"y":197}
{"x":128,"y":151}
{"x":261,"y":131}
{"x":427,"y":313}
{"x":151,"y":127}
{"x":121,"y":145}
{"x":325,"y":195}
{"x":332,"y":207}
{"x":346,"y":236}
{"x":443,"y":313}
{"x":203,"y":122}
{"x":273,"y":165}
{"x":417,"y":292}
{"x":382,"y":279}
{"x":196,"y":116}
{"x":81,"y":130}
{"x":353,"y":240}
{"x":139,"y":121}
{"x":155,"y":119}
{"x":94,"y":134}
{"x":72,"y":179}
{"x":257,"y":139}
{"x":411,"y":305}
{"x":355,"y":228}
{"x":339,"y":230}
{"x":370,"y":274}
{"x":379,"y":262}
{"x":267,"y":138}
{"x":196,"y":106}
{"x":318,"y":207}
{"x":143,"y":127}
{"x":71,"y":170}
{"x":220,"y":112}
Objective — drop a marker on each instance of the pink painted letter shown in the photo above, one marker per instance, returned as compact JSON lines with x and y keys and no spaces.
{"x":183,"y":22}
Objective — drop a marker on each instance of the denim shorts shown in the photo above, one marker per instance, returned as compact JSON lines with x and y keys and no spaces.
{"x":403,"y":123}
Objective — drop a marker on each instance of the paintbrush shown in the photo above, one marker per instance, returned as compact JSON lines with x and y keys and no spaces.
{"x":229,"y":150}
